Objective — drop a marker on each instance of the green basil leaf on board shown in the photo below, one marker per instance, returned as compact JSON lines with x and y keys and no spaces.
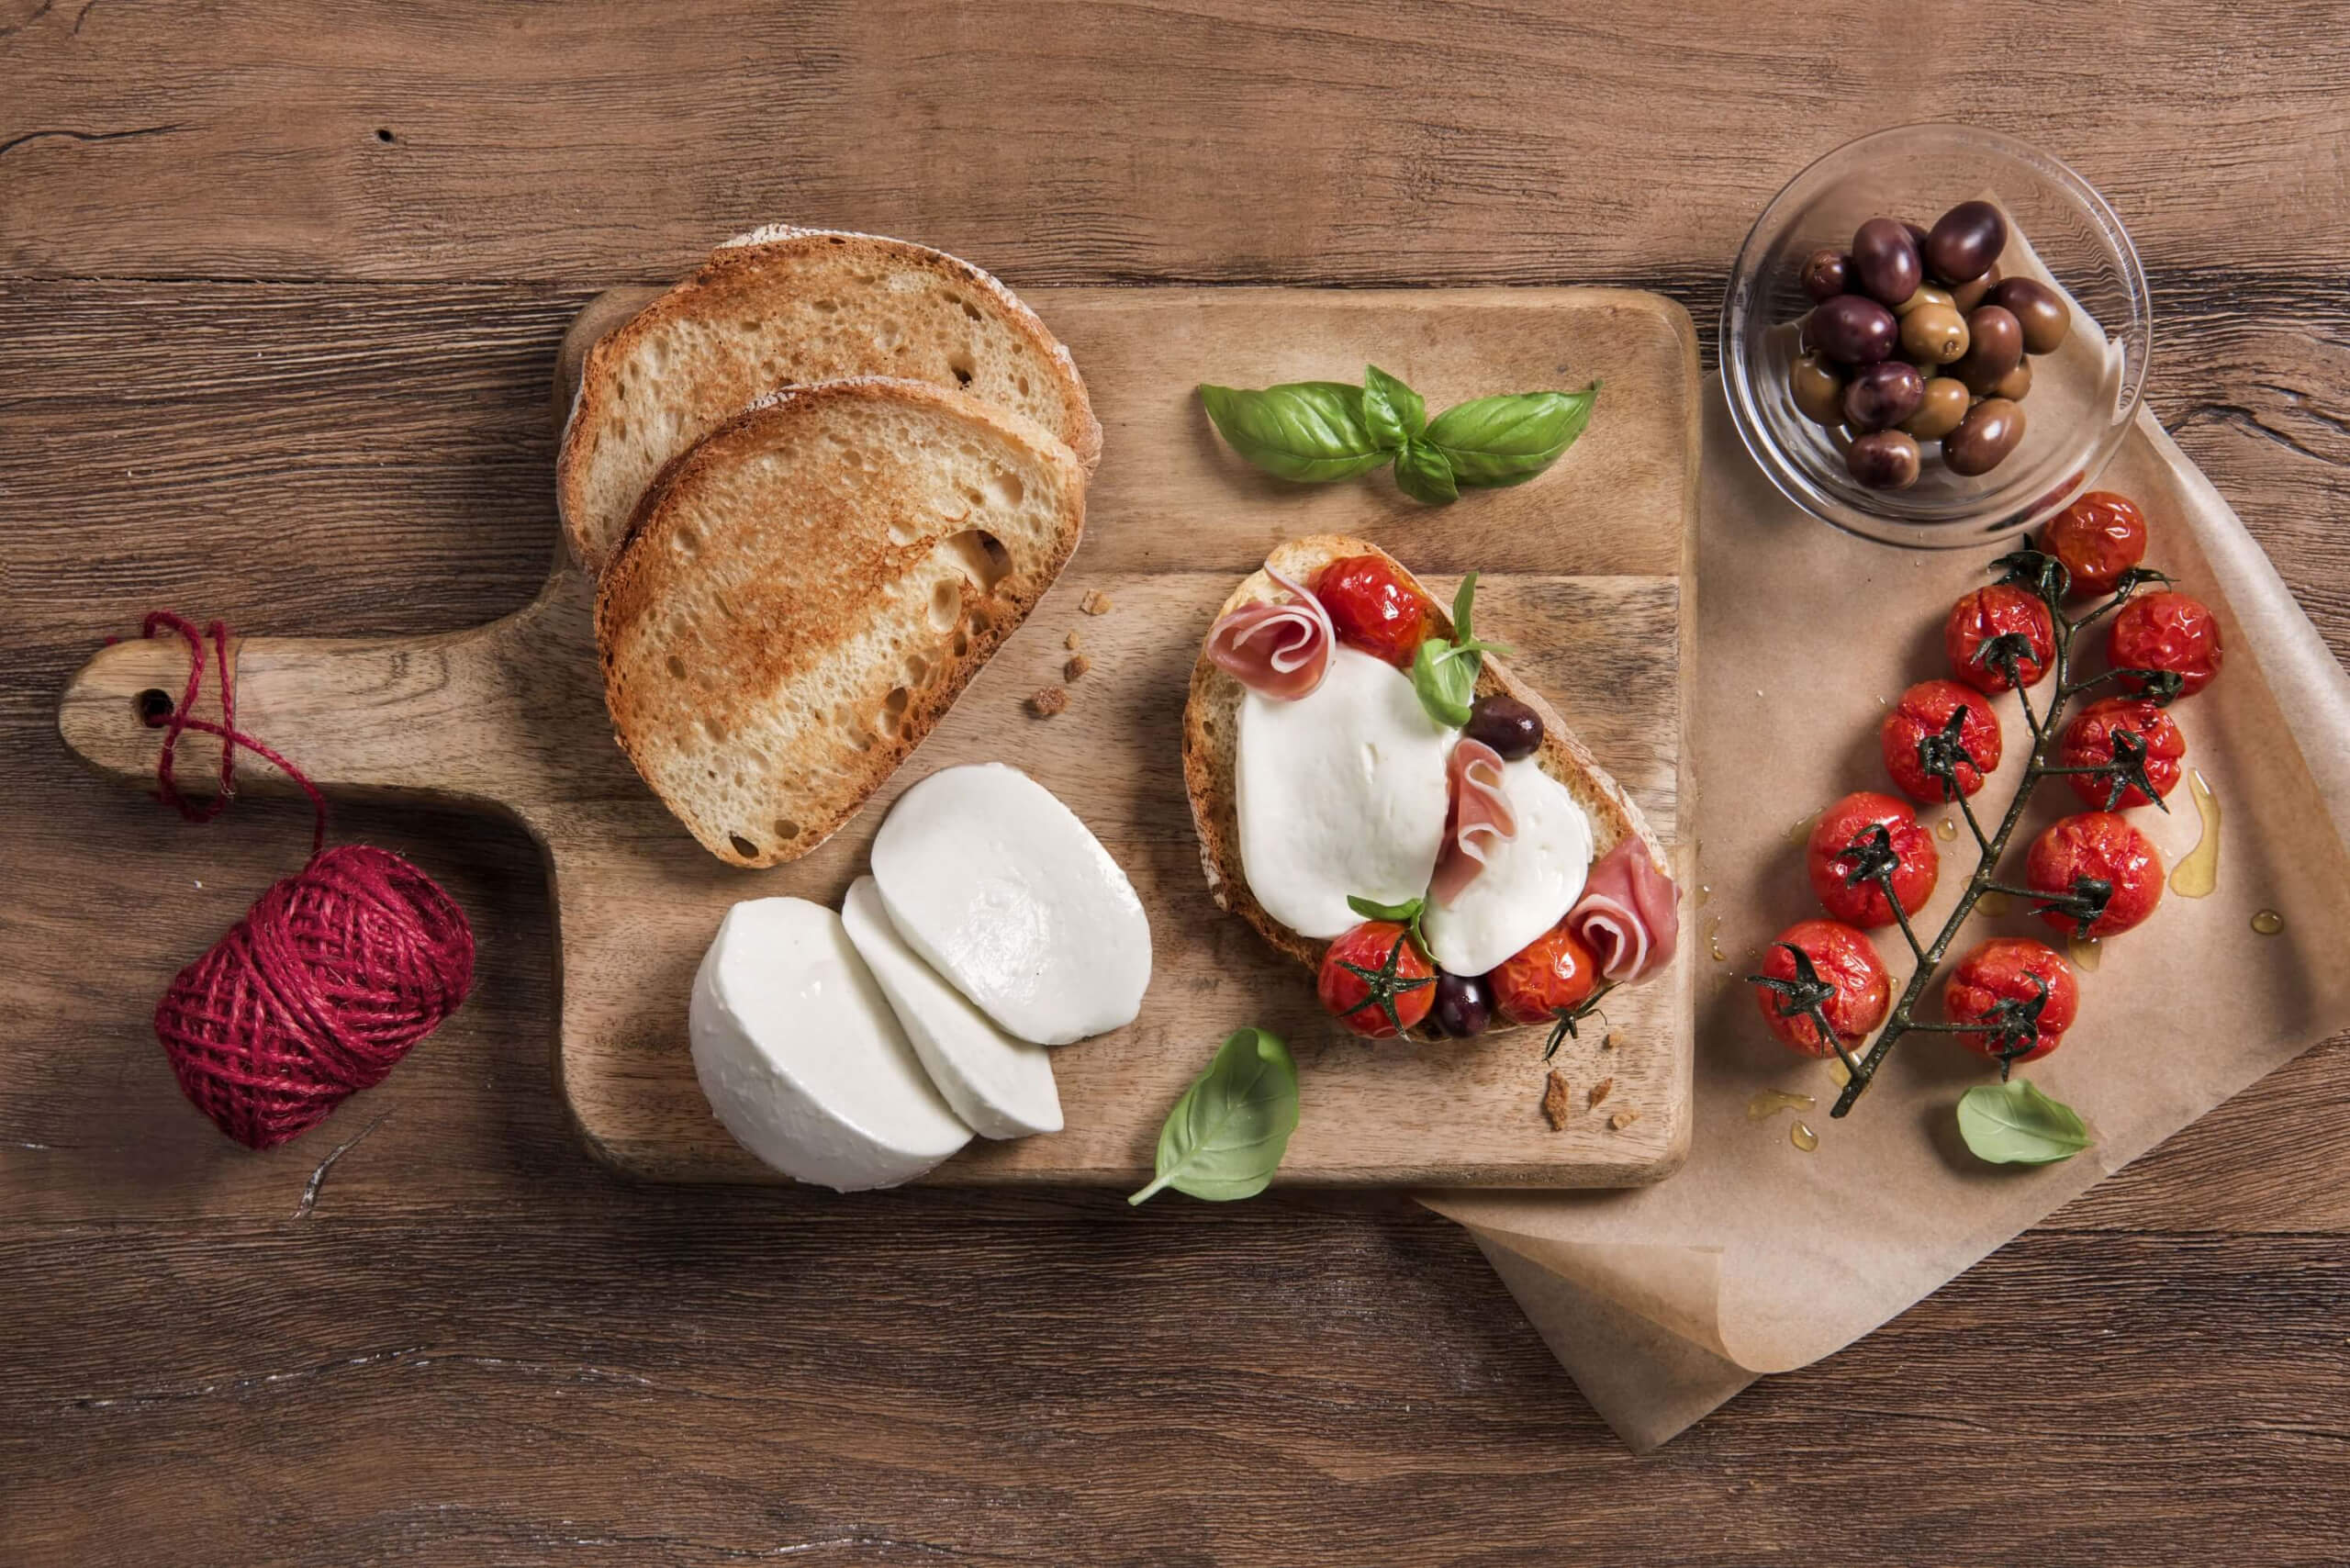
{"x":1306,"y":431}
{"x":1393,"y":412}
{"x":1495,"y":441}
{"x":1227,"y":1133}
{"x":2015,"y":1124}
{"x":1423,"y":474}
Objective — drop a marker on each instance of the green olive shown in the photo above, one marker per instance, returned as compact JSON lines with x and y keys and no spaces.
{"x":1967,"y":296}
{"x":1935,"y":333}
{"x":1928,"y":294}
{"x":1817,"y":390}
{"x":2016,"y":383}
{"x":1945,"y":405}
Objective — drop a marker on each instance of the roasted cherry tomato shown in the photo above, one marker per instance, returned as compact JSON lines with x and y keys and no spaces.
{"x":2021,"y":990}
{"x":1374,"y":609}
{"x":1845,"y":844}
{"x":1923,"y":715}
{"x":2098,"y":537}
{"x":1375,"y":982}
{"x":2096,"y":874}
{"x":2166,"y":630}
{"x":2129,"y":730}
{"x":1839,"y":969}
{"x":2003,"y":610}
{"x":1554,"y":973}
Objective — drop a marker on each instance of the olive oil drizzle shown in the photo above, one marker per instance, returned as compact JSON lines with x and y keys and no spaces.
{"x":1768,"y":1102}
{"x":2197,"y":873}
{"x":1802,"y":1138}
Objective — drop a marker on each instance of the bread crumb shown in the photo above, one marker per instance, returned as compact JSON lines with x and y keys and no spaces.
{"x":1095,"y":602}
{"x":1048,"y":702}
{"x":1070,"y":642}
{"x":1076,"y":667}
{"x":1598,"y":1092}
{"x":1623,"y":1119}
{"x":1609,"y":1043}
{"x":1554,"y":1100}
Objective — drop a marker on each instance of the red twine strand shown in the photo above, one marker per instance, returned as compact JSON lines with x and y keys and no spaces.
{"x":330,"y":977}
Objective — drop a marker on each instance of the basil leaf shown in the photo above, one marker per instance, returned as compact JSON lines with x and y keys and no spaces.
{"x":1228,"y":1131}
{"x":1464,"y":602}
{"x":1424,"y":474}
{"x":1311,"y":431}
{"x":1402,"y":914}
{"x":1444,"y":671}
{"x":1393,"y":412}
{"x":2014,"y":1124}
{"x":1494,"y":442}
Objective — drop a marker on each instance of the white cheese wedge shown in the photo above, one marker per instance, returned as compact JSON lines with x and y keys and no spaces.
{"x":1340,"y":792}
{"x":802,"y":1057}
{"x":1000,"y":889}
{"x":1002,"y":1086}
{"x":1529,"y":881}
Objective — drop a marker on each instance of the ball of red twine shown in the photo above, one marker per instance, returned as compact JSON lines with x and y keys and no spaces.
{"x":328,"y":980}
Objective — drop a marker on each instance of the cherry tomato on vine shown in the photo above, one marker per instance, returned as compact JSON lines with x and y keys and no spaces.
{"x":2112,"y":730}
{"x":2098,"y":537}
{"x":1924,"y":715}
{"x":1844,"y":843}
{"x":1375,"y":982}
{"x":1374,"y":609}
{"x":2024,"y":989}
{"x":1839,"y":968}
{"x":2166,"y":630}
{"x":2099,"y":875}
{"x":2002,"y":609}
{"x":1554,"y":973}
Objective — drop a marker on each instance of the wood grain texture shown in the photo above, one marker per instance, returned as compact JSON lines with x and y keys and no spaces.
{"x":474,"y":1345}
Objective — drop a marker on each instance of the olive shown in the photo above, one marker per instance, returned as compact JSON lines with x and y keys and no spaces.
{"x":1884,"y":460}
{"x":1967,"y":296}
{"x":1504,"y":723}
{"x":1965,"y":240}
{"x":1933,"y":334}
{"x":2016,"y":385}
{"x":1993,"y":347}
{"x":1853,"y":329}
{"x":1927,"y":295}
{"x":1827,"y":273}
{"x":2039,"y":309}
{"x":1886,"y":261}
{"x":1916,"y":232}
{"x":1943,"y":405}
{"x":1464,"y":1005}
{"x":1884,"y":394}
{"x":1817,"y":390}
{"x":1983,"y":439}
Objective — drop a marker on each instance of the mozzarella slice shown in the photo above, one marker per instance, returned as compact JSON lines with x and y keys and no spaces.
{"x":1000,"y":889}
{"x":802,"y":1057}
{"x":1339,"y":793}
{"x":1529,"y":881}
{"x":1002,"y":1086}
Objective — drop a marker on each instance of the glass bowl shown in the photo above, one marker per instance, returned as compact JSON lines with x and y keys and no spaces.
{"x":2083,"y":396}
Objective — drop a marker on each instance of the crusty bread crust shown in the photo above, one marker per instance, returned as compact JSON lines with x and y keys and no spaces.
{"x":1212,"y":732}
{"x":746,"y":278}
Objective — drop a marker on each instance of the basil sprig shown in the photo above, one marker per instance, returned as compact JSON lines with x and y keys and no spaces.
{"x":1315,"y":431}
{"x":2015,"y":1124}
{"x":1444,"y":672}
{"x":1407,"y":915}
{"x":1227,"y":1133}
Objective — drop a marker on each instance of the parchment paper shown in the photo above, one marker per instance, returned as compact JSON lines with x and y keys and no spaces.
{"x":1758,"y":1257}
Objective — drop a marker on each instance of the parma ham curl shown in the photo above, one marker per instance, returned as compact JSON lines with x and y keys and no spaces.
{"x":1276,"y":647}
{"x":1630,"y":914}
{"x":1481,"y":817}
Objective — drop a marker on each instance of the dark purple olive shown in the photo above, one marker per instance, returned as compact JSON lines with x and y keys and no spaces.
{"x":1967,"y":296}
{"x":1825,"y":273}
{"x":1504,"y":723}
{"x":1993,"y":347}
{"x":1884,"y":394}
{"x":1885,"y":259}
{"x":1917,"y":236}
{"x":1983,"y":439}
{"x":1884,"y":460}
{"x":1463,"y":1006}
{"x":1965,"y":240}
{"x":1853,"y":329}
{"x":2038,"y":309}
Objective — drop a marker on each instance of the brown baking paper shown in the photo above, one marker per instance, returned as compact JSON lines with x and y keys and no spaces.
{"x":1758,"y":1257}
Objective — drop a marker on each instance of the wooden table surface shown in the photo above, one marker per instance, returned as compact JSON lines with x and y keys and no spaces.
{"x":280,"y":286}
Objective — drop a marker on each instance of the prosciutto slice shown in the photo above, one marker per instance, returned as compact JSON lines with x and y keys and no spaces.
{"x":1630,"y":914}
{"x":1276,"y":647}
{"x":1481,"y":817}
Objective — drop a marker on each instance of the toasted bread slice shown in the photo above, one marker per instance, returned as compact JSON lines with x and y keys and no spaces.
{"x":784,"y":307}
{"x":806,"y":591}
{"x":1211,"y":734}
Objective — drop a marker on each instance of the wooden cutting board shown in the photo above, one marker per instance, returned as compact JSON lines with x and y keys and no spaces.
{"x":1586,"y":577}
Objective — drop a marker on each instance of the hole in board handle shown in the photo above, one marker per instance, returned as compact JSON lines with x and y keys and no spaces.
{"x":154,"y":706}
